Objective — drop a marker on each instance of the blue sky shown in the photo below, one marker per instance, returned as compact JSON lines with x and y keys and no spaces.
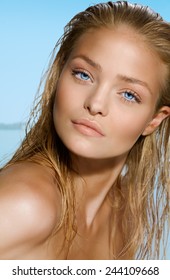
{"x":28,"y":32}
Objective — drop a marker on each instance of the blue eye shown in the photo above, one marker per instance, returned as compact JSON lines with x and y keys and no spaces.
{"x":84,"y":76}
{"x":130,"y":96}
{"x":81,"y":75}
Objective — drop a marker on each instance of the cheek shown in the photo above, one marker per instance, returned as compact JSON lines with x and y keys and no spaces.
{"x":69,"y":101}
{"x":59,"y":106}
{"x":62,"y":101}
{"x":130,"y":126}
{"x":59,"y":112}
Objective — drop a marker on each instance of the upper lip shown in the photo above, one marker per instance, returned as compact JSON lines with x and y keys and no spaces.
{"x":91,"y":124}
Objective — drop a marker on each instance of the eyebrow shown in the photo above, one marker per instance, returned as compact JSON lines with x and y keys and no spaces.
{"x":134,"y":81}
{"x":89,"y":61}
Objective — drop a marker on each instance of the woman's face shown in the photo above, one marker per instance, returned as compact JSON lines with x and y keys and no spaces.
{"x":107,"y":93}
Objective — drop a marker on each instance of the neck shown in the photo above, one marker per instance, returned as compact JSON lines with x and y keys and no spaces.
{"x":94,"y":180}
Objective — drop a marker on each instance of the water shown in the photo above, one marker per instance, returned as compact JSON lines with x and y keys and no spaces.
{"x":10,"y":139}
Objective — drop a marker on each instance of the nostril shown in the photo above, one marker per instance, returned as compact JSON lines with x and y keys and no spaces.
{"x":93,"y":110}
{"x":96,"y":107}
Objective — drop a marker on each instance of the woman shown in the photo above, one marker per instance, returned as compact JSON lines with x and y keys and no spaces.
{"x":91,"y":178}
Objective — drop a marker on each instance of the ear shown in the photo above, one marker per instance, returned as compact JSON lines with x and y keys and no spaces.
{"x":162,"y":114}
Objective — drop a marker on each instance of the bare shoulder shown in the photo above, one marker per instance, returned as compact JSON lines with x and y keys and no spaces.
{"x":29,"y":205}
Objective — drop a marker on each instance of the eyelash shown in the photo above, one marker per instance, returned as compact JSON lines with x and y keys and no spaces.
{"x":135,"y":97}
{"x":76,"y":73}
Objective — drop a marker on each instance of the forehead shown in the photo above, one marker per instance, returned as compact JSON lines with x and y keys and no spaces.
{"x":98,"y":35}
{"x":104,"y":45}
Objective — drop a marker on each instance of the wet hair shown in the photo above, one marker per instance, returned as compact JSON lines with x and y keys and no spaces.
{"x":140,"y":193}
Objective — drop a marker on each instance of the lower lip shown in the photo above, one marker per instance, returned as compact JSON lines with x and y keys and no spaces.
{"x":86,"y":130}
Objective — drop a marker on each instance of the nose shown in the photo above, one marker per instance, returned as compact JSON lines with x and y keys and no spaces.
{"x":97,"y":102}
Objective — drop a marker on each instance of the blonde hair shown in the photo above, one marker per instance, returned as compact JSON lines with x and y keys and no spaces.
{"x":146,"y":211}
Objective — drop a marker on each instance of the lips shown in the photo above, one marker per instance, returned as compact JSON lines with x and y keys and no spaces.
{"x":87,"y":127}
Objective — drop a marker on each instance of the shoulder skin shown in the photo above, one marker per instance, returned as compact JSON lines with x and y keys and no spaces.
{"x":29,"y":208}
